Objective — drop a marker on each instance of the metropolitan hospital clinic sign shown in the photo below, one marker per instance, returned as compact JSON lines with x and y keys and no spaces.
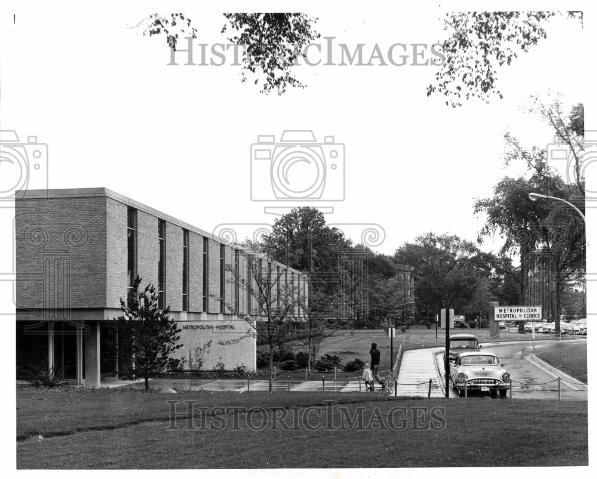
{"x":517,"y":313}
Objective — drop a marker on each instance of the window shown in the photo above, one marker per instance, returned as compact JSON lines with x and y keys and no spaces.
{"x":222,"y":277}
{"x":185,"y":270}
{"x":131,"y":237}
{"x":161,"y":263}
{"x":298,"y":294}
{"x":278,"y":278}
{"x":292,"y":298}
{"x":261,"y":288}
{"x":205,"y":274}
{"x":250,"y":290}
{"x":236,"y":282}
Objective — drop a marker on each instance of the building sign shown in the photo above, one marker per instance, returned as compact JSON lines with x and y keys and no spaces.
{"x":517,"y":313}
{"x":208,"y":326}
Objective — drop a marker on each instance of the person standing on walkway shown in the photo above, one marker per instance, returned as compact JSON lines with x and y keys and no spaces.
{"x":375,"y":357}
{"x":368,"y":378}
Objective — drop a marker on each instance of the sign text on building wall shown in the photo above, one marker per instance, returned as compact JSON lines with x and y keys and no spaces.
{"x":208,"y":326}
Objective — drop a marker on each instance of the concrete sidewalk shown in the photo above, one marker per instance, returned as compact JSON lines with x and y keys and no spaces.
{"x":416,"y":368}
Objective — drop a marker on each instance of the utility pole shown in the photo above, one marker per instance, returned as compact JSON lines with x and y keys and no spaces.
{"x":392,"y":329}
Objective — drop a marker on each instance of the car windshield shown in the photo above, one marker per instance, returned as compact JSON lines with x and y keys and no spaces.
{"x":463,"y":343}
{"x":478,"y":359}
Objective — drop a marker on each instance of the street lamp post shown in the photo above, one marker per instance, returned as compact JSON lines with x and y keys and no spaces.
{"x":536,"y":196}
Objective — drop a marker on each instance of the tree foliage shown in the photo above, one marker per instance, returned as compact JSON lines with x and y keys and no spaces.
{"x":152,"y":335}
{"x":173,"y":27}
{"x":545,"y":227}
{"x":478,"y":45}
{"x":272,"y":44}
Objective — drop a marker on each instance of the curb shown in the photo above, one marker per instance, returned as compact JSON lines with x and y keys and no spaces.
{"x":571,"y":382}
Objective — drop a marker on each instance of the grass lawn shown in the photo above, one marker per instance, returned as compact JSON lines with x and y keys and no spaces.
{"x":55,"y":412}
{"x":474,"y":432}
{"x":568,"y":357}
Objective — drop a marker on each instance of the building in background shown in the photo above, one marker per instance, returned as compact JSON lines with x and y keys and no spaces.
{"x":78,"y":252}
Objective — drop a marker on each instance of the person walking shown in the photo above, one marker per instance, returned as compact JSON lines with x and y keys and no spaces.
{"x":375,"y":358}
{"x":368,"y":378}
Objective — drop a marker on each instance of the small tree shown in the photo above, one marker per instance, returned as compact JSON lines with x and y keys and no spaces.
{"x":153,"y":336}
{"x":274,"y":300}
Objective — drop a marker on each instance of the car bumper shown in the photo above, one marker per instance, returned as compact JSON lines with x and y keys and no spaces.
{"x":483,"y":387}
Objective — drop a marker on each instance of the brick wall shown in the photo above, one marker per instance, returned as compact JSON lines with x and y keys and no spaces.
{"x":174,"y":260}
{"x":117,"y":253}
{"x":60,"y":252}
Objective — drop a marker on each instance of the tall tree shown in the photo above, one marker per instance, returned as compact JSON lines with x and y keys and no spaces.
{"x":479,"y":44}
{"x":546,"y":227}
{"x":443,"y":268}
{"x":272,"y":44}
{"x":152,"y":335}
{"x":276,"y":305}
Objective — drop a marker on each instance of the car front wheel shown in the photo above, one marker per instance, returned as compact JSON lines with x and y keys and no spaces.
{"x":503,"y":393}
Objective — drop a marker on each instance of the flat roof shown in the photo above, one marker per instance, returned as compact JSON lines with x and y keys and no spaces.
{"x":105,"y":192}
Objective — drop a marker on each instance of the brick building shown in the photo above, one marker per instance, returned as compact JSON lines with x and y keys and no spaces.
{"x":78,"y":252}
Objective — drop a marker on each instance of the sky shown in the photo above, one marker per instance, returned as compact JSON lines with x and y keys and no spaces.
{"x":85,"y":80}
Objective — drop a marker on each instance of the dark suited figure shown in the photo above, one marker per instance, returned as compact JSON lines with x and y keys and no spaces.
{"x":375,"y":357}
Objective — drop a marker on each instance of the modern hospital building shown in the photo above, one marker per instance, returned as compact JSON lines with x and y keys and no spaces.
{"x":78,"y":252}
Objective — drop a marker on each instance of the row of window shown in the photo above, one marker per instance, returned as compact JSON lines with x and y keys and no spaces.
{"x":223,"y":308}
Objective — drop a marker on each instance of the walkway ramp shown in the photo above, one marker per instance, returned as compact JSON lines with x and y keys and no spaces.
{"x":416,"y":368}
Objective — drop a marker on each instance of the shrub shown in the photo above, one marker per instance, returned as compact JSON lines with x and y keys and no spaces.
{"x":176,"y":365}
{"x":283,"y":354}
{"x":354,"y":365}
{"x":302,"y":359}
{"x":39,"y":376}
{"x":240,"y":371}
{"x":262,"y":359}
{"x":289,"y":365}
{"x":327,"y":362}
{"x":220,"y":367}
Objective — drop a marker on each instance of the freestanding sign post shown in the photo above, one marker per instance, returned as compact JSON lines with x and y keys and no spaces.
{"x":446,"y":321}
{"x":391,"y":333}
{"x":518,"y":313}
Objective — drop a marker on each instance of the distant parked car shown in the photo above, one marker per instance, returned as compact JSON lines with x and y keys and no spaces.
{"x":462,"y":342}
{"x":528,"y":327}
{"x":479,"y":371}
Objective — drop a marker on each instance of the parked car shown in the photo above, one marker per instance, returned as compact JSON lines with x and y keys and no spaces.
{"x":462,"y":342}
{"x":479,"y":371}
{"x":528,"y":327}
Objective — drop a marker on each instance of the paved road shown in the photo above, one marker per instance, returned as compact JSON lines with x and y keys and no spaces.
{"x":529,"y":380}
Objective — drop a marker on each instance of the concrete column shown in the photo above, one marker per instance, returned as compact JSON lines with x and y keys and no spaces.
{"x":92,"y":355}
{"x":51,"y":348}
{"x":79,"y":346}
{"x":494,"y":326}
